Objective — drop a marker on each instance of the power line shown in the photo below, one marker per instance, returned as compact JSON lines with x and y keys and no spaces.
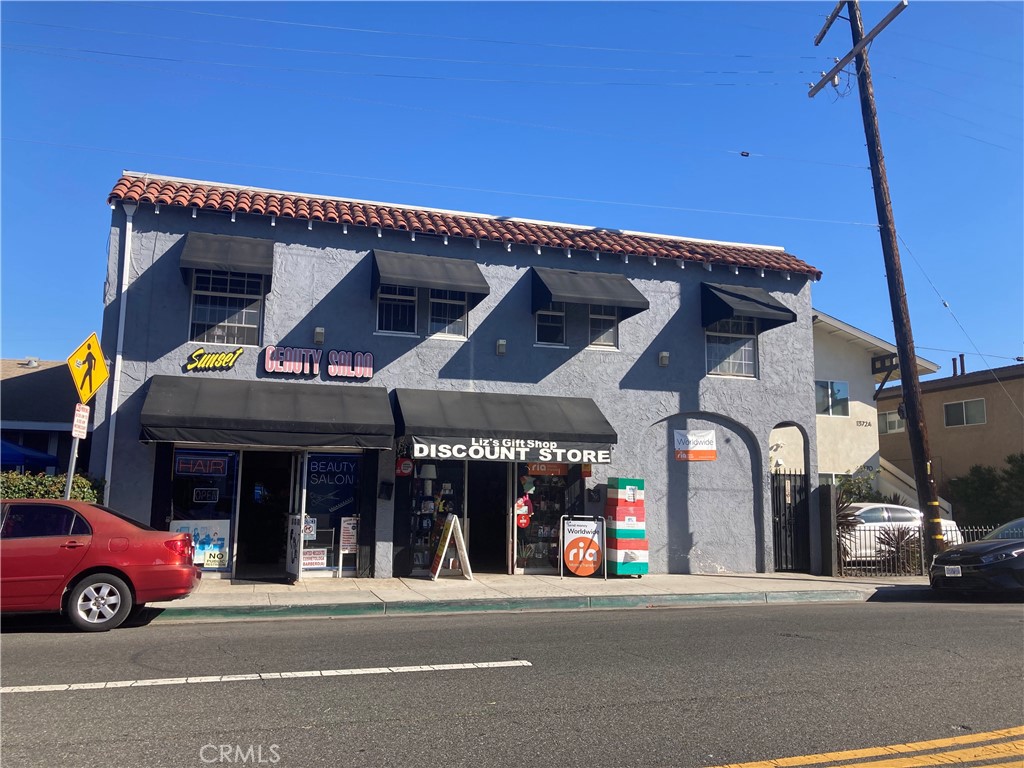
{"x":447,"y":113}
{"x":479,"y":190}
{"x":389,"y":75}
{"x":458,"y":38}
{"x":957,"y":351}
{"x":360,"y":54}
{"x":960,"y":325}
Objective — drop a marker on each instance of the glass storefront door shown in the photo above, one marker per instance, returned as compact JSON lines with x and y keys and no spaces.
{"x":540,"y":502}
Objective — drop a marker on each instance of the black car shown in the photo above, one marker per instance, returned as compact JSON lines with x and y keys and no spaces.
{"x":993,"y":563}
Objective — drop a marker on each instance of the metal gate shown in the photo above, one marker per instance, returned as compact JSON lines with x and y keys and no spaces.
{"x":790,"y":522}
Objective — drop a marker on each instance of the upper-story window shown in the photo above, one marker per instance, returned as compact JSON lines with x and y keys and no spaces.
{"x":832,"y":398}
{"x":889,"y":422}
{"x":964,"y":412}
{"x":227,"y":307}
{"x":396,"y":309}
{"x":604,"y":325}
{"x":731,"y":347}
{"x":551,"y":324}
{"x":448,"y":313}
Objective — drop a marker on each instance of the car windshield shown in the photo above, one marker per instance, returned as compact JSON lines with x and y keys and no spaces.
{"x":1012,"y":530}
{"x":125,"y":517}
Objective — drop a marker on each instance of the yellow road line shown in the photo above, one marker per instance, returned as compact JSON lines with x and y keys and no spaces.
{"x":853,"y":754}
{"x":951,"y":757}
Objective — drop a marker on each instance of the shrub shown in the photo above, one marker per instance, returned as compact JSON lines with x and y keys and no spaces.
{"x":989,"y":495}
{"x":14,"y":485}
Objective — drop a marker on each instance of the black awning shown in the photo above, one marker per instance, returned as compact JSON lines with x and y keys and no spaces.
{"x":270,"y":413}
{"x":572,"y":287}
{"x":419,"y":271}
{"x":228,"y":253}
{"x":503,"y":427}
{"x":720,"y":302}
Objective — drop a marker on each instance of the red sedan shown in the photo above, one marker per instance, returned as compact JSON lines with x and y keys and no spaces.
{"x":91,"y":563}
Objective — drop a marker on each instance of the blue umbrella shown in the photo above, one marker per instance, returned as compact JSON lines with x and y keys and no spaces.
{"x":20,"y":456}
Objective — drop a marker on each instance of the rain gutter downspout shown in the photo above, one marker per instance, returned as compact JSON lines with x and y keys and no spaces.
{"x":115,"y":390}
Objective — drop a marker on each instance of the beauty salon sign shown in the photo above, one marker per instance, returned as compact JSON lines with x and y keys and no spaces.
{"x":303,"y":361}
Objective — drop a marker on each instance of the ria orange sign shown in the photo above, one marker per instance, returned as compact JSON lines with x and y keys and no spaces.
{"x":582,"y":554}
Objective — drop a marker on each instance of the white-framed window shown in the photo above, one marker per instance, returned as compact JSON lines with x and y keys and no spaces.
{"x":604,"y":326}
{"x":832,"y":398}
{"x":964,"y":412}
{"x":448,"y":313}
{"x":551,"y":324}
{"x":831,"y":478}
{"x":731,"y":347}
{"x":396,"y":309}
{"x":227,"y":307}
{"x":889,"y":422}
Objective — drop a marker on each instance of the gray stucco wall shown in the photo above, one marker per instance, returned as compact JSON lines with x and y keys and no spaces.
{"x":702,"y":516}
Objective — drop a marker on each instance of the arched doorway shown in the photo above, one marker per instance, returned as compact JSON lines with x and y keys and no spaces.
{"x":790,"y":489}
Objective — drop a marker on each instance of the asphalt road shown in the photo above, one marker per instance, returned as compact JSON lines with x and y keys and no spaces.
{"x":682,"y":687}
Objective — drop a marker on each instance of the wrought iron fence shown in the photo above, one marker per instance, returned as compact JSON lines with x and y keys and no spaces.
{"x":888,"y":550}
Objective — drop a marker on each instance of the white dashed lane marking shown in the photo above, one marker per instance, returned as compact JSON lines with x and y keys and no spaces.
{"x":260,"y":676}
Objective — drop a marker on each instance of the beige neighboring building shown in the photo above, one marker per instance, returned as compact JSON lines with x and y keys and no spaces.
{"x":847,"y":419}
{"x":972,"y":418}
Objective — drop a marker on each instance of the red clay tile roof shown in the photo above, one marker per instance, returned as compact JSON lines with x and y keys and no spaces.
{"x":138,"y":188}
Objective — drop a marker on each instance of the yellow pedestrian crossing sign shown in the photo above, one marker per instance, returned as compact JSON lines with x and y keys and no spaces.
{"x":88,"y":369}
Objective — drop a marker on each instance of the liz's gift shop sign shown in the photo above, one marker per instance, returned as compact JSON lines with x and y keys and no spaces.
{"x":695,"y":445}
{"x":510,"y":449}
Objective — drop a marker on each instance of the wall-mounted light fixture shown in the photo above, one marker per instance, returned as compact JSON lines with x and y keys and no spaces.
{"x":499,"y":348}
{"x":779,"y":463}
{"x":318,"y":335}
{"x":663,"y":359}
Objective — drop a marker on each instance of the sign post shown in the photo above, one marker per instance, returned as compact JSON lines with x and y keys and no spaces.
{"x":88,"y":372}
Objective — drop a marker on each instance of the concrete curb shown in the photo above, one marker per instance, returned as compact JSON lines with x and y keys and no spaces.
{"x":503,"y":605}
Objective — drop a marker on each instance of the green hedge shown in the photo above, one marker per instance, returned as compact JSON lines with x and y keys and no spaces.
{"x":14,"y":485}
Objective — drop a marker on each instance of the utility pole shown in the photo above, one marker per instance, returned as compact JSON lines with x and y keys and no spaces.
{"x":917,"y":431}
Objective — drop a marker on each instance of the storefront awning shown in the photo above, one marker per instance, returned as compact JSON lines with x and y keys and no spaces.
{"x":421,"y":271}
{"x":572,"y":287}
{"x":503,"y":427}
{"x":266,"y":413}
{"x":721,"y":302}
{"x":228,"y":253}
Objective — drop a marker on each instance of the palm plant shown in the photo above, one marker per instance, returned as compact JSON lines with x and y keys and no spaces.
{"x":900,"y":550}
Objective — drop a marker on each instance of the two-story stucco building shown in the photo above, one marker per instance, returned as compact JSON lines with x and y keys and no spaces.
{"x":972,"y":418}
{"x":368,"y":368}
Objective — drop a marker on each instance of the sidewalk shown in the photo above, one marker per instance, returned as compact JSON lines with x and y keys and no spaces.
{"x":221,"y":599}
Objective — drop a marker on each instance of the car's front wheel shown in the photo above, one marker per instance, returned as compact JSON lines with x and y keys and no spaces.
{"x":99,"y":602}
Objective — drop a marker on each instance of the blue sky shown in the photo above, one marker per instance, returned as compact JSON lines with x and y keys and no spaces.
{"x":622,"y":115}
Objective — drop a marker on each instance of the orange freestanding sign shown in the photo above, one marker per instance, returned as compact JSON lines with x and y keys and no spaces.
{"x":581,"y":546}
